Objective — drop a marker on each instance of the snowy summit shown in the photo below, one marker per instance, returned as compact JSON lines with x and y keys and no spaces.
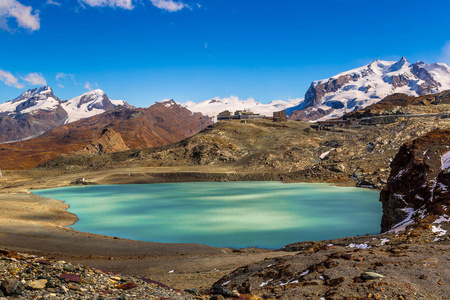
{"x":361,"y":87}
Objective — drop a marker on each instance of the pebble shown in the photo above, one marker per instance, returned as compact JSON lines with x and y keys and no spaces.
{"x":371,"y":275}
{"x":37,"y":284}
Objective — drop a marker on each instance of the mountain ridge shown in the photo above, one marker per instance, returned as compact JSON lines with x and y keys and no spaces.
{"x":37,"y":110}
{"x":358,"y":88}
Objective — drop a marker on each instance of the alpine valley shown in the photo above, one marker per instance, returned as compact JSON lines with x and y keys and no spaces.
{"x":389,"y":131}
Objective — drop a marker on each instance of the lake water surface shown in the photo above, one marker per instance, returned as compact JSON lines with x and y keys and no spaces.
{"x":225,"y":214}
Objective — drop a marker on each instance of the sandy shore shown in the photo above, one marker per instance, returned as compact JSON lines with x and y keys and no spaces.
{"x":34,"y":224}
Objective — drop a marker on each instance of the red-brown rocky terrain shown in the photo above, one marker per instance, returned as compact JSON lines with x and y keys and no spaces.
{"x":117,"y":130}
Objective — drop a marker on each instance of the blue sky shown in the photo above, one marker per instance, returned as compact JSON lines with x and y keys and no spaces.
{"x":144,"y":51}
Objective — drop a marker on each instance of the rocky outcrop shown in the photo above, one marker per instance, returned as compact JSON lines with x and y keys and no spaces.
{"x":417,"y":189}
{"x":317,"y":91}
{"x":108,"y":142}
{"x":309,"y":114}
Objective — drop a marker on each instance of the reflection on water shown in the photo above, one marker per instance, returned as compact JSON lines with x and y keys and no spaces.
{"x":225,"y":214}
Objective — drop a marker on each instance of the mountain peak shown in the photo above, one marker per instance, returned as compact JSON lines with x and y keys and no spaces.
{"x":361,"y":87}
{"x":43,"y":90}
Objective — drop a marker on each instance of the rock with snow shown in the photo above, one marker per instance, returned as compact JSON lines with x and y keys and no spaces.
{"x":361,"y":87}
{"x":417,"y":190}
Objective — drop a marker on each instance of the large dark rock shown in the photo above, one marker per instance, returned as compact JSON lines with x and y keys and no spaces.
{"x":417,"y":186}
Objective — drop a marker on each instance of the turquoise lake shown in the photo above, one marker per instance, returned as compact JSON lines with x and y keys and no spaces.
{"x":223,"y":214}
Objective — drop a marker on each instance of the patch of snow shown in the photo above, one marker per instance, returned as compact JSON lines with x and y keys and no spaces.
{"x":330,"y":245}
{"x":401,"y":226}
{"x":325,"y":154}
{"x":321,"y":278}
{"x":400,"y":197}
{"x":171,"y":271}
{"x":359,"y":246}
{"x":289,"y":282}
{"x":266,"y":282}
{"x":443,"y":218}
{"x":304,"y":273}
{"x":445,"y":160}
{"x":225,"y":283}
{"x":384,"y":241}
{"x":439,"y":231}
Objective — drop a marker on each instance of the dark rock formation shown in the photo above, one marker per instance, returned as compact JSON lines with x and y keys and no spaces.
{"x":417,"y":189}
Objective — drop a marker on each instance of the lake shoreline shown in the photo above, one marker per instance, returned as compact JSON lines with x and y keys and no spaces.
{"x":38,"y":225}
{"x":236,"y":214}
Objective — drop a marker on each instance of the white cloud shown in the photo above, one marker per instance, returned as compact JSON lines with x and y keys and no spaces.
{"x":126,"y":4}
{"x":446,"y":53}
{"x":88,"y":86}
{"x":65,"y":76}
{"x":35,"y":79}
{"x":169,"y":5}
{"x":23,"y":15}
{"x":9,"y":79}
{"x":51,"y":2}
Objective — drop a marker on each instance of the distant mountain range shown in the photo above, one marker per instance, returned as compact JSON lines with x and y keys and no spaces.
{"x":216,"y":105}
{"x":38,"y":110}
{"x":119,"y":129}
{"x":361,"y":87}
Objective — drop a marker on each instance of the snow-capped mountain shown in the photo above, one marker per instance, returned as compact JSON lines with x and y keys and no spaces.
{"x":361,"y":87}
{"x":216,"y":105}
{"x":90,"y":104}
{"x":38,"y":110}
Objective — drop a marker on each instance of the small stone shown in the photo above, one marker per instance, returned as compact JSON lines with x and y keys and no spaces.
{"x":73,"y":287}
{"x":440,"y":282}
{"x":423,"y":277}
{"x":37,"y":284}
{"x":335,"y":282}
{"x":221,"y":290}
{"x":371,"y":275}
{"x":11,"y":287}
{"x":359,"y":258}
{"x":69,"y":268}
{"x":347,"y":256}
{"x":116,"y":278}
{"x":236,"y":294}
{"x":98,"y":272}
{"x":127,"y":286}
{"x":70,"y":277}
